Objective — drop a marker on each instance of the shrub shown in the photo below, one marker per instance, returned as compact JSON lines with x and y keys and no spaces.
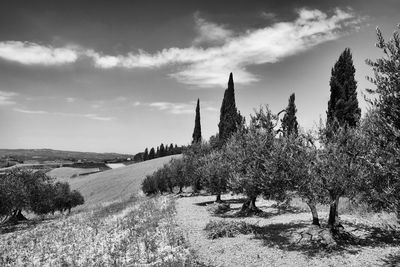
{"x":217,"y":229}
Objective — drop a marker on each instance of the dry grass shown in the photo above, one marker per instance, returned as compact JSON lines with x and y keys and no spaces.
{"x":63,"y":174}
{"x":137,"y":231}
{"x":116,"y":184}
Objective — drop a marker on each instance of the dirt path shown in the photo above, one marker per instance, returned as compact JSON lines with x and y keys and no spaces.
{"x":273,"y":248}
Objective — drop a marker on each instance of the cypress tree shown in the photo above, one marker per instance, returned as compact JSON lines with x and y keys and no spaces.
{"x":289,"y":121}
{"x":230,"y":119}
{"x":157,"y":154}
{"x":343,"y":104}
{"x":152,"y":153}
{"x":197,"y":127}
{"x":162,"y":150}
{"x":146,"y":154}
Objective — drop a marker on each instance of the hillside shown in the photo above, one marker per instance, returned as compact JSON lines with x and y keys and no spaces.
{"x":42,"y":155}
{"x":116,"y":183}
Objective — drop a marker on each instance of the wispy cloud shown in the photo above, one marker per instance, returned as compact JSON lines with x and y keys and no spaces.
{"x":174,"y":108}
{"x":88,"y":116}
{"x":207,"y":67}
{"x":178,"y":108}
{"x":7,"y":98}
{"x":70,"y":99}
{"x":31,"y":53}
{"x":210,"y":33}
{"x":202,"y":65}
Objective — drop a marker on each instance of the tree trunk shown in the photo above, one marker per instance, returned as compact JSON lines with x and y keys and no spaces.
{"x":16,"y":217}
{"x":218,"y":200}
{"x":180,"y":190}
{"x":314,"y":212}
{"x":250,"y":205}
{"x":333,"y":220}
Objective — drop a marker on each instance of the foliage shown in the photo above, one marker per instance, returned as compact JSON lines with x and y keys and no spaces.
{"x":222,"y":228}
{"x":197,"y":126}
{"x":343,"y":104}
{"x":230,"y":118}
{"x":250,"y":154}
{"x":152,"y":153}
{"x":215,"y":172}
{"x":22,"y":189}
{"x":289,"y":121}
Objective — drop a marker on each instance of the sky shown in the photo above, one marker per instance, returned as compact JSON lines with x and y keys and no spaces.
{"x":120,"y":76}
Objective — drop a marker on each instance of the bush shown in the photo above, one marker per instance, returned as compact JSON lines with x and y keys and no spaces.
{"x":217,"y":229}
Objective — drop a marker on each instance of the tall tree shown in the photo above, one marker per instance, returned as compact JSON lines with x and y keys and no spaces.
{"x":162,"y":151}
{"x":152,"y":153}
{"x":197,"y":127}
{"x":146,"y":154}
{"x":343,"y":104}
{"x":157,"y":154}
{"x":230,"y":118}
{"x":289,"y":121}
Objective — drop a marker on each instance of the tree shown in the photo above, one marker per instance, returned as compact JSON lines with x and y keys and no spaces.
{"x":343,"y":104}
{"x":214,"y":173}
{"x":197,"y":127}
{"x":152,"y":153}
{"x":340,"y":166}
{"x":230,"y":119}
{"x":289,"y":121}
{"x":162,"y":151}
{"x":250,"y":155}
{"x":382,"y":127}
{"x":157,"y":154}
{"x":146,"y":154}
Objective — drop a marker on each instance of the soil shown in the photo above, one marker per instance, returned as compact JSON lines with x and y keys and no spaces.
{"x":286,"y":237}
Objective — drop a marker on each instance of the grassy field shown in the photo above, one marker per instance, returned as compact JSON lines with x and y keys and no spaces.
{"x":128,"y":233}
{"x":64,"y":174}
{"x":116,"y":184}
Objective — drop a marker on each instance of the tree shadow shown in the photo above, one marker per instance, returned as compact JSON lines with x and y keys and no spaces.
{"x":227,"y":201}
{"x":22,"y":225}
{"x":281,"y":235}
{"x":391,"y":260}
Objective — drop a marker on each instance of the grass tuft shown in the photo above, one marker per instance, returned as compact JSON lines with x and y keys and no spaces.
{"x":222,"y":228}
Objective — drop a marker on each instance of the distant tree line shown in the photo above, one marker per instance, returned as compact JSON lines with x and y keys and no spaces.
{"x":159,"y":152}
{"x":34,"y":191}
{"x":348,"y":156}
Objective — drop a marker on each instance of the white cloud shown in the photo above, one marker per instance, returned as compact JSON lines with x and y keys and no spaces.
{"x":6,"y":98}
{"x":174,"y":108}
{"x":208,"y":67}
{"x":210,"y":33}
{"x":27,"y":111}
{"x":179,"y":108}
{"x":88,"y":116}
{"x":31,"y":53}
{"x":70,"y":99}
{"x":136,"y":104}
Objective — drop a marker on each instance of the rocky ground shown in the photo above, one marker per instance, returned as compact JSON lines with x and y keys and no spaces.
{"x":285,"y":237}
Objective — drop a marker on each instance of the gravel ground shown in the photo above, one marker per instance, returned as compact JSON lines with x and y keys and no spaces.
{"x":277,"y":245}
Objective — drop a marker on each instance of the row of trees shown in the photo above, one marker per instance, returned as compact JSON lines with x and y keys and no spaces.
{"x":161,"y":151}
{"x":271,"y":157}
{"x":33,"y":191}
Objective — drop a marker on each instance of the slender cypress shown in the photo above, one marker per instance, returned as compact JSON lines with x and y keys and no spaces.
{"x":197,"y":127}
{"x":229,"y":116}
{"x":289,"y":121}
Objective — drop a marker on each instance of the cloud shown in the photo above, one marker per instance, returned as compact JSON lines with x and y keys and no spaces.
{"x":210,"y":33}
{"x":27,"y":111}
{"x":28,"y":53}
{"x":268,"y":15}
{"x":174,"y":108}
{"x":208,"y":67}
{"x":6,"y":98}
{"x":179,"y":108}
{"x":70,"y":99}
{"x":42,"y":112}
